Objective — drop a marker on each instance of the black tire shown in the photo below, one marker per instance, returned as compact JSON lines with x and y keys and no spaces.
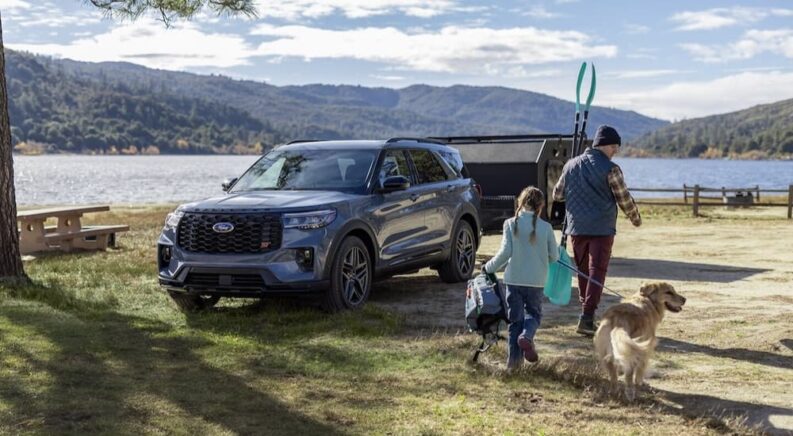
{"x":192,"y":302}
{"x":460,"y":264}
{"x":350,"y":277}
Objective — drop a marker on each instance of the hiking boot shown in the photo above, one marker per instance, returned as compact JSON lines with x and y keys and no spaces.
{"x":586,"y":326}
{"x":527,"y":346}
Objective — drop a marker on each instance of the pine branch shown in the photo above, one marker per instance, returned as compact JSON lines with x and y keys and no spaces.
{"x":170,"y":10}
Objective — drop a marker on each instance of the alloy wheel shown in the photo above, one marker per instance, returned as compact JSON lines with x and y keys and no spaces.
{"x":355,"y":276}
{"x":465,"y":252}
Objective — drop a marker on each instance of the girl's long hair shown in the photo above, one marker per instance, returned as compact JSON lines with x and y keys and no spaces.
{"x":531,"y":199}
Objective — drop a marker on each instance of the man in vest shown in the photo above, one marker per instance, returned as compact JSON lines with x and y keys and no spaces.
{"x":592,"y":187}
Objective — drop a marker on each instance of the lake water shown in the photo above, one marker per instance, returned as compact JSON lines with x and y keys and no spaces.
{"x":66,"y":179}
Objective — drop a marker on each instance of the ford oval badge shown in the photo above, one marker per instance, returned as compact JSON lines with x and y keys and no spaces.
{"x":223,"y":227}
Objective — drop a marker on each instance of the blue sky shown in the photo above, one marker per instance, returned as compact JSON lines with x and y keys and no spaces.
{"x":670,"y":59}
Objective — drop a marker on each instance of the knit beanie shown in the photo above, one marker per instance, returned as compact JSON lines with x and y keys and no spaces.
{"x":606,"y":135}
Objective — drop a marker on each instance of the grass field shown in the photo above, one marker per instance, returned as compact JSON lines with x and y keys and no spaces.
{"x":93,"y":346}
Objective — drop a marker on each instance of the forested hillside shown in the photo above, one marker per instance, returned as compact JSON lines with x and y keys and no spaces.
{"x":68,"y":106}
{"x":53,"y":111}
{"x":758,"y":132}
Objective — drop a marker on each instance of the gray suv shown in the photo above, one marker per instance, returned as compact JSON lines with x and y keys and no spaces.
{"x":325,"y":218}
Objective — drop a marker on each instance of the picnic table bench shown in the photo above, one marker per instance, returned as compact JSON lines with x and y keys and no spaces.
{"x":68,"y":234}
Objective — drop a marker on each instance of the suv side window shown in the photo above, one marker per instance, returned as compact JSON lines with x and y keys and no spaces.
{"x":454,"y":160}
{"x":428,"y":169}
{"x":394,"y":164}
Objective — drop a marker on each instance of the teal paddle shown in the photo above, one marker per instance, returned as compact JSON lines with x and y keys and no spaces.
{"x":589,"y":99}
{"x":581,"y":73}
{"x":559,"y":282}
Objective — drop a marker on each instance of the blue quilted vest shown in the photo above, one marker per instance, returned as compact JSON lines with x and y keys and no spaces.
{"x":591,"y":206}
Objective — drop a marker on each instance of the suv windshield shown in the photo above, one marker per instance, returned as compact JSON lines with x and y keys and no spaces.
{"x":333,"y":170}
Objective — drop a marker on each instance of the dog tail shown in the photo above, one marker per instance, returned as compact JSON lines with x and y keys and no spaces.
{"x":628,"y":352}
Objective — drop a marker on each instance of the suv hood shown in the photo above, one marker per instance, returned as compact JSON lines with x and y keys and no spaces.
{"x":271,"y":200}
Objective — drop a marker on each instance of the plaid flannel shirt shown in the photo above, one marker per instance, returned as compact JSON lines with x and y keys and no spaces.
{"x":618,"y":188}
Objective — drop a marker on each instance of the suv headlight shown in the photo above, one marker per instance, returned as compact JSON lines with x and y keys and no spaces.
{"x":173,"y":218}
{"x":309,"y":220}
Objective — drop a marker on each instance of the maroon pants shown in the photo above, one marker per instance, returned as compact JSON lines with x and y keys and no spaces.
{"x":592,"y":255}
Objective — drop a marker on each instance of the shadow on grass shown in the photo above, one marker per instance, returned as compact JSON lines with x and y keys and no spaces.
{"x":278,"y":321}
{"x":55,"y":297}
{"x":724,"y":416}
{"x":652,"y":269}
{"x":119,"y":374}
{"x":752,"y":356}
{"x":753,"y":415}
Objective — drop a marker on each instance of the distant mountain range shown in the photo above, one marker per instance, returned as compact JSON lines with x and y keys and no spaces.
{"x":759,"y":132}
{"x":79,"y":107}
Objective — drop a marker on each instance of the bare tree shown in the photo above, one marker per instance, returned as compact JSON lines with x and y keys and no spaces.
{"x":11,"y":268}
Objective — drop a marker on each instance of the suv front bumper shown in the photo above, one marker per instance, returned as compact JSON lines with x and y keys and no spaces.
{"x":282,"y":271}
{"x":236,"y":282}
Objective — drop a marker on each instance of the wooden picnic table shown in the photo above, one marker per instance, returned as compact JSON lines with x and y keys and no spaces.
{"x":69,"y":233}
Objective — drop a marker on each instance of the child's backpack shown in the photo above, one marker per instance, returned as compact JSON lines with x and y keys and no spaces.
{"x":485,"y":309}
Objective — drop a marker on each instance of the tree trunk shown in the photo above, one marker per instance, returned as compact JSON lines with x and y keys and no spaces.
{"x":10,"y":259}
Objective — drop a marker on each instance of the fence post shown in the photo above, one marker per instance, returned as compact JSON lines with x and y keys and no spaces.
{"x":757,"y":188}
{"x":723,"y":194}
{"x":696,"y":201}
{"x":790,"y":202}
{"x":685,"y":193}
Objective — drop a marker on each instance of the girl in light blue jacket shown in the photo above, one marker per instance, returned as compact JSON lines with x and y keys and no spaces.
{"x":527,"y":247}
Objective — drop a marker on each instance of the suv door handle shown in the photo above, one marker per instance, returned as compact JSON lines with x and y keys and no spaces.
{"x":414,"y":197}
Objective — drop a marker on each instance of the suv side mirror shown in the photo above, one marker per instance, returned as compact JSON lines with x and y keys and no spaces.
{"x":228,"y":183}
{"x":395,"y":183}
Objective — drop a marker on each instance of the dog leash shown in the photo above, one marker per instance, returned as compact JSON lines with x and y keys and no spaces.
{"x":575,"y":270}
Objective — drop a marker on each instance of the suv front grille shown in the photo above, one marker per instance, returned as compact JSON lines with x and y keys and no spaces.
{"x":253,"y":233}
{"x":212,"y":280}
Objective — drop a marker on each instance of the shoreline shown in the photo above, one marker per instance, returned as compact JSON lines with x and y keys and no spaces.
{"x":15,"y":155}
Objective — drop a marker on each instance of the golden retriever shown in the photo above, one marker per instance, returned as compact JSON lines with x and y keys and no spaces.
{"x":626,"y":338}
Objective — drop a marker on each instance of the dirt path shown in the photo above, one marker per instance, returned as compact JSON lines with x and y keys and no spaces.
{"x":730,"y":352}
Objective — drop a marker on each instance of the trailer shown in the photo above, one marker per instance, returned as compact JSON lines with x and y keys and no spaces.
{"x":504,"y":165}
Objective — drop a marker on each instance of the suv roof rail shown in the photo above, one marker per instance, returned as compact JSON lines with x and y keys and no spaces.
{"x":295,"y":141}
{"x":399,"y":138}
{"x":452,"y":139}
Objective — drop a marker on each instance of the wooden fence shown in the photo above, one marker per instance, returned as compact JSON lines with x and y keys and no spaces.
{"x":697,"y":196}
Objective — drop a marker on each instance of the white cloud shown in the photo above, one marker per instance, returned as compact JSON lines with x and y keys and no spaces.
{"x":521,"y":72}
{"x":149,"y":43}
{"x":753,"y":43}
{"x":636,"y":29}
{"x":643,"y":53}
{"x":57,"y":20}
{"x":640,"y":74}
{"x":450,"y":49}
{"x":388,"y":78}
{"x":6,"y":5}
{"x":695,"y":99}
{"x":723,"y":17}
{"x":540,"y":12}
{"x":44,"y":14}
{"x":299,"y":9}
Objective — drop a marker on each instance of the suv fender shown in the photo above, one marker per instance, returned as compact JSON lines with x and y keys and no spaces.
{"x":343,"y":232}
{"x":468,"y":209}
